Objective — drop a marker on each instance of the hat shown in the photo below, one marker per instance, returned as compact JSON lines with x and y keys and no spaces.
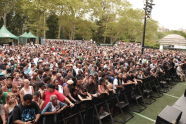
{"x":40,"y":60}
{"x":69,"y":65}
{"x":51,"y":86}
{"x":70,"y":82}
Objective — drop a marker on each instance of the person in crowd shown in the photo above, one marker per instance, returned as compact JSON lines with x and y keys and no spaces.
{"x":92,"y":86}
{"x":9,"y":84}
{"x":68,"y":89}
{"x":17,"y":81}
{"x":27,"y":112}
{"x":16,"y":92}
{"x":2,"y":114}
{"x":102,"y":87}
{"x":3,"y":97}
{"x":38,"y":100}
{"x":58,"y":86}
{"x":82,"y":93}
{"x":52,"y":91}
{"x":41,"y":88}
{"x":180,"y":73}
{"x":27,"y":89}
{"x":11,"y":103}
{"x":53,"y":107}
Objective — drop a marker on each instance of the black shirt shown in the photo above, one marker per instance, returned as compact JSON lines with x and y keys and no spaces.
{"x":25,"y":113}
{"x":3,"y":66}
{"x":92,"y":88}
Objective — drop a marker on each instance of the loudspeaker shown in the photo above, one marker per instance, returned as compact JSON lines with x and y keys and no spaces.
{"x":169,"y":115}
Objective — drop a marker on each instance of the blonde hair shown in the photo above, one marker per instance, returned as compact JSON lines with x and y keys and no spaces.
{"x":9,"y":96}
{"x":53,"y":97}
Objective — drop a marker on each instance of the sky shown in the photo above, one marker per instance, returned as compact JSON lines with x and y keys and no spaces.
{"x":170,"y":14}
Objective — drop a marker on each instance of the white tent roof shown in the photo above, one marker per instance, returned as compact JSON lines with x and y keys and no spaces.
{"x":173,"y":39}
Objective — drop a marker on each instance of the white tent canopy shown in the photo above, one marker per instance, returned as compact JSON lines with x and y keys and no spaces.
{"x":174,"y":41}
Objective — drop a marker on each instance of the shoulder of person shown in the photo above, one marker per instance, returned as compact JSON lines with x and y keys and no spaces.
{"x":49,"y":103}
{"x":34,"y":103}
{"x":18,"y":107}
{"x":6,"y":106}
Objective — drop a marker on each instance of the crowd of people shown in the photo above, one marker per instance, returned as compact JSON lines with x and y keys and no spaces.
{"x":46,"y":79}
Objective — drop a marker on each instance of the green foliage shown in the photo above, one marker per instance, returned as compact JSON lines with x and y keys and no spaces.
{"x":101,"y":20}
{"x":177,"y":32}
{"x":52,"y":23}
{"x":15,"y":23}
{"x":152,"y":44}
{"x":6,"y":7}
{"x":152,"y":30}
{"x":84,"y":29}
{"x":160,"y":35}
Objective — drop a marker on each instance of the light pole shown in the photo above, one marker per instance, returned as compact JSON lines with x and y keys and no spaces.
{"x":148,"y":9}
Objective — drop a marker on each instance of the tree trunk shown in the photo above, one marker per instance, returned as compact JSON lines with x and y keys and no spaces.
{"x":105,"y":37}
{"x":4,"y":19}
{"x":38,"y":29}
{"x":70,"y":35}
{"x":111,"y":40}
{"x":59,"y":32}
{"x":44,"y":25}
{"x":104,"y":41}
{"x":59,"y":21}
{"x":74,"y":30}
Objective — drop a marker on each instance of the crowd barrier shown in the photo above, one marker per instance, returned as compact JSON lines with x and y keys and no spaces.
{"x":88,"y":112}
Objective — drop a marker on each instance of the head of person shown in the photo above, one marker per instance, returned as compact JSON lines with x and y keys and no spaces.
{"x":53,"y":99}
{"x":56,"y":83}
{"x":69,"y":66}
{"x":51,"y":87}
{"x":47,"y":80}
{"x":36,"y":96}
{"x":26,"y":83}
{"x":102,"y":82}
{"x":125,"y":75}
{"x":14,"y":89}
{"x":4,"y":88}
{"x":17,"y":76}
{"x":9,"y":80}
{"x":27,"y":99}
{"x":11,"y":98}
{"x":120,"y":75}
{"x":58,"y":75}
{"x":40,"y":72}
{"x":41,"y":86}
{"x":34,"y":76}
{"x":70,"y":82}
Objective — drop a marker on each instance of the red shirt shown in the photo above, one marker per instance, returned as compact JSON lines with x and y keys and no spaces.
{"x":52,"y":48}
{"x":48,"y":94}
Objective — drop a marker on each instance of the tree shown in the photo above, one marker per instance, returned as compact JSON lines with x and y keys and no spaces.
{"x":152,"y":30}
{"x":127,"y":27}
{"x":104,"y":12}
{"x":84,"y":29}
{"x":6,"y":7}
{"x":103,"y":20}
{"x":52,"y":23}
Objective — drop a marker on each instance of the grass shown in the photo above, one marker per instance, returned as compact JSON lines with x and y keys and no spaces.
{"x":155,"y":108}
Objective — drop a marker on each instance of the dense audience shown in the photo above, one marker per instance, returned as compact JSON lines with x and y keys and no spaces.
{"x":46,"y":79}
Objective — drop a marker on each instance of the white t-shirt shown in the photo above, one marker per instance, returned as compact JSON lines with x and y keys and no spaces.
{"x":115,"y":83}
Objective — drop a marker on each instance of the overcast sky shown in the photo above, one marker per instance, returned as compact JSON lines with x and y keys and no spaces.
{"x":170,"y":14}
